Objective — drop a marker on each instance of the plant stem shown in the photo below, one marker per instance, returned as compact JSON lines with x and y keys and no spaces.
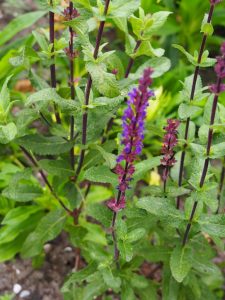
{"x":52,"y":66}
{"x":202,"y":47}
{"x":45,"y":179}
{"x":206,"y":163}
{"x":222,"y":177}
{"x":131,"y":61}
{"x":87,"y":93}
{"x":71,"y":83}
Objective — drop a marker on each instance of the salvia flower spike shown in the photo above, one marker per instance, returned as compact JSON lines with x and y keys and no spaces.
{"x":132,"y":137}
{"x":213,"y":2}
{"x":169,"y":142}
{"x":220,"y":72}
{"x":70,"y":15}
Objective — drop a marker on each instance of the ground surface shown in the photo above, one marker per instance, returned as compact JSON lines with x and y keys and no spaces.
{"x":43,"y":283}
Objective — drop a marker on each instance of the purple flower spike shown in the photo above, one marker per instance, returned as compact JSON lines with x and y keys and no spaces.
{"x":220,"y":67}
{"x":70,"y":16}
{"x":114,"y":206}
{"x":169,"y":142}
{"x":132,"y":137}
{"x":214,"y":88}
{"x":222,"y":49}
{"x":213,"y":2}
{"x":220,"y":72}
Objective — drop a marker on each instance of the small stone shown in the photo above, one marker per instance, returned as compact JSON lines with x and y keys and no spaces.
{"x":17,"y":288}
{"x":25,"y":294}
{"x":68,"y":249}
{"x":18,"y":271}
{"x":47,"y":248}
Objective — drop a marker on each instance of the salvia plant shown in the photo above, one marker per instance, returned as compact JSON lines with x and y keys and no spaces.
{"x":107,"y":144}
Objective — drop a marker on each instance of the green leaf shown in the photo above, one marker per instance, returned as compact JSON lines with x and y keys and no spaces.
{"x":79,"y":276}
{"x":41,"y":40}
{"x":145,"y":26}
{"x":95,"y":233}
{"x":157,"y":20}
{"x":110,"y":280}
{"x":188,"y":206}
{"x":181,"y":262}
{"x":147,"y":49}
{"x":19,"y":214}
{"x":48,"y":228}
{"x":205,"y":61}
{"x":123,"y":9}
{"x":160,"y":65}
{"x":9,"y":250}
{"x":213,"y":225}
{"x":101,"y":213}
{"x":170,"y":287}
{"x":4,"y":96}
{"x":146,"y":165}
{"x":109,"y":158}
{"x":198,"y":149}
{"x":101,"y":174}
{"x":21,"y":188}
{"x":18,"y":24}
{"x":104,"y":82}
{"x":161,"y":208}
{"x":191,"y":133}
{"x":56,"y":167}
{"x":188,"y":56}
{"x":217,"y":150}
{"x":9,"y":232}
{"x":187,"y":110}
{"x":49,"y":94}
{"x":7,"y":133}
{"x":22,"y":193}
{"x":135,"y":235}
{"x":42,"y":145}
{"x":126,"y":250}
{"x":206,"y":27}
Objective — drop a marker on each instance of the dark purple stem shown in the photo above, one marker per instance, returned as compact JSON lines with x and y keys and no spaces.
{"x":71,"y":83}
{"x":52,"y":66}
{"x":45,"y":179}
{"x":87,"y":93}
{"x":206,"y":163}
{"x":131,"y":61}
{"x":202,"y":47}
{"x":222,"y":177}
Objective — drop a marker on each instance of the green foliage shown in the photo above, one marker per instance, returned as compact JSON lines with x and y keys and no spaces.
{"x":180,"y":262}
{"x":140,"y":251}
{"x":18,"y":24}
{"x":45,"y":145}
{"x":48,"y":228}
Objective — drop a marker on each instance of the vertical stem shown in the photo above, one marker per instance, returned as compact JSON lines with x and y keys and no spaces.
{"x":45,"y":179}
{"x":206,"y":163}
{"x":88,"y":90}
{"x":71,"y":83}
{"x":202,"y":47}
{"x":52,"y":66}
{"x":131,"y":61}
{"x":222,"y":177}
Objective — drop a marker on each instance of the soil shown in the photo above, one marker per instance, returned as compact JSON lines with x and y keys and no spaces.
{"x":43,"y":283}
